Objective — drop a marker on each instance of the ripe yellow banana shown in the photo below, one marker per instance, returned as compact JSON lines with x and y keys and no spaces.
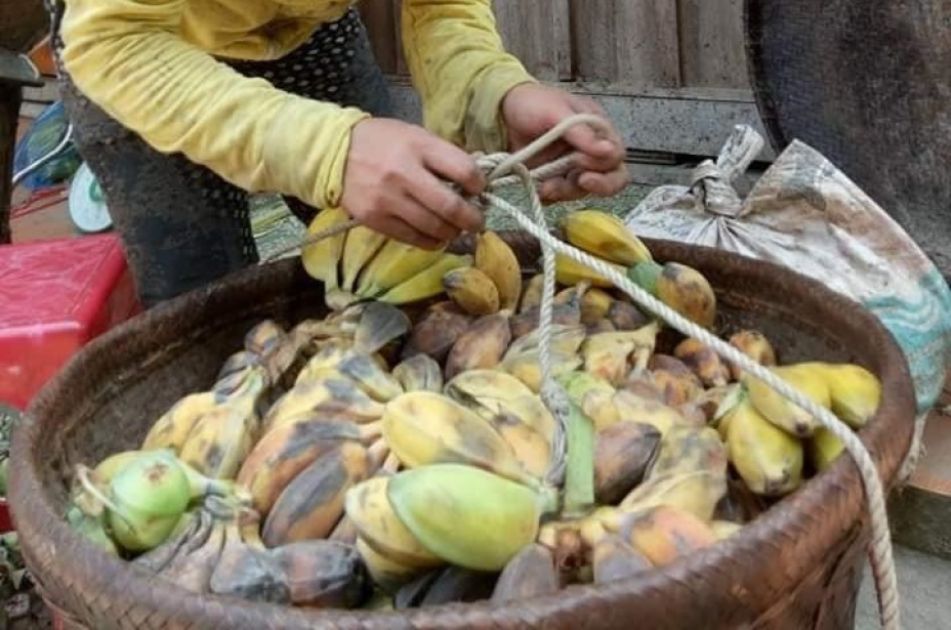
{"x":394,"y":264}
{"x":495,"y":258}
{"x":767,"y":458}
{"x":604,"y":235}
{"x":310,"y":506}
{"x":565,"y":339}
{"x":779,"y":410}
{"x":824,"y":449}
{"x":331,"y":395}
{"x":387,"y":573}
{"x":368,"y":507}
{"x":593,"y":395}
{"x":172,"y":428}
{"x":223,"y":436}
{"x":517,"y":414}
{"x":526,"y":366}
{"x":606,"y":355}
{"x":854,"y":392}
{"x":488,"y":388}
{"x":689,"y":474}
{"x":664,"y":533}
{"x":427,"y":283}
{"x":424,"y":428}
{"x":595,"y":306}
{"x":472,"y":290}
{"x":220,"y":441}
{"x":631,"y":407}
{"x":361,"y":369}
{"x":285,"y":451}
{"x":570,"y":273}
{"x":755,"y":345}
{"x":320,"y":259}
{"x":680,"y":287}
{"x":704,"y":362}
{"x":359,"y":248}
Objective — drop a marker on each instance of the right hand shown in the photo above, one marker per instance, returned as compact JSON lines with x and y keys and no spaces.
{"x":395,"y":183}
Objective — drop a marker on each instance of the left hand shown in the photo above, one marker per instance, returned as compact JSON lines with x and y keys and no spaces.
{"x":529,"y":110}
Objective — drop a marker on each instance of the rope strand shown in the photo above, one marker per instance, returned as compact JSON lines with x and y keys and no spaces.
{"x":507,"y":169}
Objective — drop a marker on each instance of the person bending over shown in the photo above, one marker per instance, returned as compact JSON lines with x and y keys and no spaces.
{"x":181,"y":107}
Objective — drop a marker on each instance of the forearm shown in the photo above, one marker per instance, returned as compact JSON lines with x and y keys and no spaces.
{"x":460,"y":69}
{"x":126,"y":56}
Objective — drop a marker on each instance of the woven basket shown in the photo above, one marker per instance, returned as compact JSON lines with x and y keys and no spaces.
{"x":797,"y":566}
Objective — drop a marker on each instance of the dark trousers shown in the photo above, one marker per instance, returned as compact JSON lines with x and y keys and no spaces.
{"x":181,"y":224}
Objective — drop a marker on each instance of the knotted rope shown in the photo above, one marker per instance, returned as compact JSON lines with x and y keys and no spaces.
{"x":505,"y":169}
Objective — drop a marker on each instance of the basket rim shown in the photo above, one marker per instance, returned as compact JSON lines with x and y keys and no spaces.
{"x":837,"y":492}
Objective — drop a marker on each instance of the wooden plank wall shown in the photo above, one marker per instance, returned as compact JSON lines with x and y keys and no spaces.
{"x":629,"y":44}
{"x":712,"y":49}
{"x":538,"y":32}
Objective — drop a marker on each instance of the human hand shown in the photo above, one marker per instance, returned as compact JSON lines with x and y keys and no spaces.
{"x":395,"y":183}
{"x":529,"y":110}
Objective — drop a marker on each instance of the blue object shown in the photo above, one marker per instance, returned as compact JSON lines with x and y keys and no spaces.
{"x":43,"y":136}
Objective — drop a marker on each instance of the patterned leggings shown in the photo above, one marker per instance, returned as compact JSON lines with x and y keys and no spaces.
{"x":181,"y":224}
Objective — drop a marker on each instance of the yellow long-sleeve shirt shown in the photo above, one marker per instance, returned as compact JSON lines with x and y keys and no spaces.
{"x":151,"y":65}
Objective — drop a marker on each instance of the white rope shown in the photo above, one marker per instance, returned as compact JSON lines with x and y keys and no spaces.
{"x":880,"y":548}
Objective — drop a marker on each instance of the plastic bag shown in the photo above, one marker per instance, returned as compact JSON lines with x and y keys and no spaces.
{"x":807,"y":215}
{"x":43,"y":136}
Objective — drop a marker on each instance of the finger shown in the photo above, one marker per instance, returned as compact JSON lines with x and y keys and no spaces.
{"x":439,"y":199}
{"x":402,"y":231}
{"x":561,"y":189}
{"x":455,"y":165}
{"x":604,"y":184}
{"x":550,"y":154}
{"x":601,"y":142}
{"x":425,"y":221}
{"x":608,"y":162}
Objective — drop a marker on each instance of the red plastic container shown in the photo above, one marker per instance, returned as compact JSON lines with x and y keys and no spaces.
{"x":54,"y":297}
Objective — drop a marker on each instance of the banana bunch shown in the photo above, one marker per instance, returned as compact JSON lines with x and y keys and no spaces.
{"x":217,"y":549}
{"x":603,"y":235}
{"x":213,"y":431}
{"x":494,"y":283}
{"x":363,"y":264}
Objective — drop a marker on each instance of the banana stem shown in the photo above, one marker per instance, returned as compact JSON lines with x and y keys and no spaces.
{"x":579,"y":473}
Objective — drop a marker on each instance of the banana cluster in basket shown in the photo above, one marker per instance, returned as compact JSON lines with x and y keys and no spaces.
{"x":397,"y":453}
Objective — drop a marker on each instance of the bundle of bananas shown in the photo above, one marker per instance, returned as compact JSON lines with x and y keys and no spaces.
{"x":386,"y":458}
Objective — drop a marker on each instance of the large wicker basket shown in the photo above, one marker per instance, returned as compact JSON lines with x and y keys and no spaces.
{"x":798,"y":566}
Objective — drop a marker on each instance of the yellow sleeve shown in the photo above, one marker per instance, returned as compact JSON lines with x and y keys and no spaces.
{"x":127,"y":57}
{"x":460,"y":69}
